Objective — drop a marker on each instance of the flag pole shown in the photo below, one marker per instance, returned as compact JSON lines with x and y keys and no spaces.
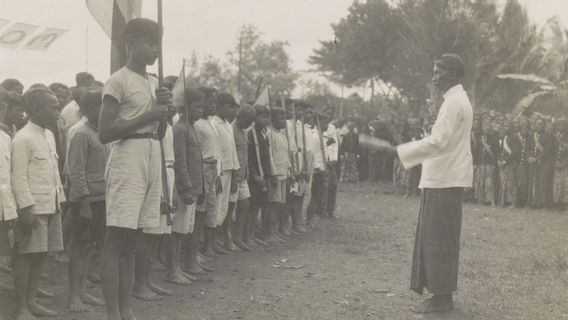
{"x":160,"y":52}
{"x":166,"y":210}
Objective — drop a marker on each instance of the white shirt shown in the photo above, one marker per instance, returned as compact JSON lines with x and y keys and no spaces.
{"x":313,"y":146}
{"x":35,"y":173}
{"x":226,"y":141}
{"x":7,"y":201}
{"x":445,"y":154}
{"x":71,"y":114}
{"x":331,"y":150}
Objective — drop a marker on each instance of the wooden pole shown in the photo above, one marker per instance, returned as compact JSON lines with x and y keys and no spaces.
{"x":160,"y":52}
{"x":290,"y":155}
{"x":165,"y":185}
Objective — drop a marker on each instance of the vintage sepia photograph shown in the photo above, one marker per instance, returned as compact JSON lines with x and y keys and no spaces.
{"x":284,"y":160}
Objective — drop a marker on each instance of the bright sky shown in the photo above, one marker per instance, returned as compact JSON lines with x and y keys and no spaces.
{"x":204,"y":26}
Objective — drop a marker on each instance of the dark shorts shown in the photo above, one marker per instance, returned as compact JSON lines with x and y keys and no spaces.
{"x":5,"y":248}
{"x":85,"y":228}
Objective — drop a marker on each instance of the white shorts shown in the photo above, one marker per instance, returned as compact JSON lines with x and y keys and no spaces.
{"x":223,"y":197}
{"x":243,"y":192}
{"x":184,"y":218}
{"x":163,"y":228}
{"x":134,"y":184}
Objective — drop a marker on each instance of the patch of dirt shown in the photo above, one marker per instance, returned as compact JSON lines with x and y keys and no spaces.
{"x":513,"y":266}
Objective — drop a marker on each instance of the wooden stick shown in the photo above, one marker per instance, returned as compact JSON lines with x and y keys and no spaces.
{"x":160,"y":52}
{"x":257,"y":149}
{"x":165,"y":185}
{"x":305,"y":150}
{"x":288,"y":139}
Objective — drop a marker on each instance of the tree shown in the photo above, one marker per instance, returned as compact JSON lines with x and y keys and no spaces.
{"x":210,"y":72}
{"x":394,"y":45}
{"x":253,"y":59}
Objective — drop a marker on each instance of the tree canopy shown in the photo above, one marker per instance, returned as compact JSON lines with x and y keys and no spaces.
{"x":396,"y":44}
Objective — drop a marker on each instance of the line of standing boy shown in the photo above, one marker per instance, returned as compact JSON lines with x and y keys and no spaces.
{"x":141,"y":187}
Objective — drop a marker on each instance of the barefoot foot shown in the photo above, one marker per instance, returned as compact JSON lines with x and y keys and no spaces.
{"x":159,"y":290}
{"x":77,"y":306}
{"x":145,"y":294}
{"x":24,"y":315}
{"x":90,"y":299}
{"x":40,"y":311}
{"x":41,"y":293}
{"x":177,"y":279}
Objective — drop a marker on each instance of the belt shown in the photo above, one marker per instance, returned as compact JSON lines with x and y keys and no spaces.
{"x":147,"y":135}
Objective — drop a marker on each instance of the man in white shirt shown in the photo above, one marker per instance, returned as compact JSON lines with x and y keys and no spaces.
{"x":446,"y":170}
{"x":38,"y":193}
{"x":229,"y":164}
{"x":7,"y":203}
{"x":324,"y":176}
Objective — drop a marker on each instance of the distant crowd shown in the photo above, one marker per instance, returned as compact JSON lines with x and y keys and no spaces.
{"x":518,"y":161}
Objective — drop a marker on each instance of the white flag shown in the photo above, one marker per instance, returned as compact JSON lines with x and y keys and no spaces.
{"x":16,"y":34}
{"x":3,"y":23}
{"x":43,"y":40}
{"x":264,"y":98}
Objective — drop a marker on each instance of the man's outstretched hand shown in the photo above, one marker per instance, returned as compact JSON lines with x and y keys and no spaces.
{"x":372,"y":143}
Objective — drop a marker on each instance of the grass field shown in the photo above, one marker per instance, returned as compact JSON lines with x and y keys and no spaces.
{"x":513,"y":266}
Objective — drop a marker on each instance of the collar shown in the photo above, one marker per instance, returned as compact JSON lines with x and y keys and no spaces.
{"x":34,"y":127}
{"x":218,"y":119}
{"x":458,"y":88}
{"x":7,"y":130}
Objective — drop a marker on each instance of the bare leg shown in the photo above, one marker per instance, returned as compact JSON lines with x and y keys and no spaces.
{"x":269,"y":215}
{"x":241,"y":226}
{"x":22,"y":266}
{"x":77,"y":261}
{"x":38,"y":261}
{"x":117,"y":271}
{"x":228,"y":244}
{"x":126,"y":275}
{"x":143,"y":254}
{"x":155,"y":241}
{"x":173,"y":254}
{"x":297,"y":220}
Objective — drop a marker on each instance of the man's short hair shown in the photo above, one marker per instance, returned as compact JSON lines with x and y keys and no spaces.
{"x":84,"y":79}
{"x":89,"y":99}
{"x":56,"y":86}
{"x":34,"y":95}
{"x":15,"y":100}
{"x":452,"y":62}
{"x":277,"y":112}
{"x":207,"y":91}
{"x":247,"y":111}
{"x":260,"y":109}
{"x":226,"y":98}
{"x":141,"y":28}
{"x":4,"y":96}
{"x":192,"y":95}
{"x":11,"y":84}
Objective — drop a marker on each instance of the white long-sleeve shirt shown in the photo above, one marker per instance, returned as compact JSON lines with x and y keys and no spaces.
{"x":445,"y":154}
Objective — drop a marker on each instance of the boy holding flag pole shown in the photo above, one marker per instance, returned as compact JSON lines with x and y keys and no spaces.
{"x":133,"y":115}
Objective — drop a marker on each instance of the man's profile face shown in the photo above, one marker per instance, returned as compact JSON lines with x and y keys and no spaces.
{"x":210,"y":107}
{"x":62,"y":96}
{"x":196,"y":110}
{"x":145,"y":49}
{"x":442,"y":79}
{"x":17,"y":116}
{"x":47,"y":111}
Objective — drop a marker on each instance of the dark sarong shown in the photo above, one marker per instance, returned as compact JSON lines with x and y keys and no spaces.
{"x":437,"y":245}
